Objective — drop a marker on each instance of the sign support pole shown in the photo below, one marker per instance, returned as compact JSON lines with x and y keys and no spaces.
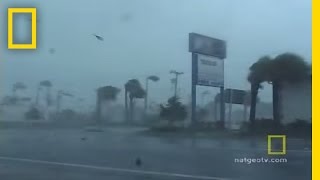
{"x":222,"y":107}
{"x":230,"y":108}
{"x":194,"y":88}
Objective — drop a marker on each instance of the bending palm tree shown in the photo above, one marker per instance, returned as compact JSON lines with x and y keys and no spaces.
{"x":286,"y":67}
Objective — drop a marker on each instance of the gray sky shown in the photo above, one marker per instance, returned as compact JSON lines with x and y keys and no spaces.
{"x":145,"y":37}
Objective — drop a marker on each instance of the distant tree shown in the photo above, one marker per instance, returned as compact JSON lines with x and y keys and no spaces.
{"x":33,"y":114}
{"x":106,"y":93}
{"x":18,"y":86}
{"x":134,"y":90}
{"x":68,"y":114}
{"x":9,"y":100}
{"x":173,"y":111}
{"x":48,"y":85}
{"x":202,"y":114}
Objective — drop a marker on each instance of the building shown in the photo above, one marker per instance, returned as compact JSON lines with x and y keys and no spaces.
{"x":296,"y":101}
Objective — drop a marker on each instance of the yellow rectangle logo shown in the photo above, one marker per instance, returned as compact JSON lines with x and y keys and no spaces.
{"x":284,"y":145}
{"x":33,"y":12}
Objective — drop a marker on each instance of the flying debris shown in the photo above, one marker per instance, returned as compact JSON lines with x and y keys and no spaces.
{"x":126,"y":17}
{"x":52,"y":50}
{"x":138,"y":162}
{"x":100,"y":38}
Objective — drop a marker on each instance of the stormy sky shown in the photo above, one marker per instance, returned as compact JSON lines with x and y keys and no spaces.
{"x":149,"y":37}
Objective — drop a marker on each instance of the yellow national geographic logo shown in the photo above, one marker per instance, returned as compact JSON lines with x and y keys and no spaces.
{"x":33,"y":12}
{"x":282,"y":148}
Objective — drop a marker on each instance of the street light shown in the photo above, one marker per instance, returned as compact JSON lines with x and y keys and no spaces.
{"x":177,"y":74}
{"x":154,"y":79}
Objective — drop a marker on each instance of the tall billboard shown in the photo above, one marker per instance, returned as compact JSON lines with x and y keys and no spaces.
{"x":210,"y":71}
{"x":207,"y":45}
{"x":208,"y":56}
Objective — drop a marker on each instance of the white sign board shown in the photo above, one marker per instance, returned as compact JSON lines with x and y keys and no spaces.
{"x":210,"y":71}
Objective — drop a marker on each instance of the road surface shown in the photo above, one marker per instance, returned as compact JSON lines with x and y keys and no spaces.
{"x":78,"y":154}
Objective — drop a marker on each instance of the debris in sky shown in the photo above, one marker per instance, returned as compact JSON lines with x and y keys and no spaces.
{"x":100,"y":38}
{"x":52,"y":50}
{"x":138,"y":162}
{"x":126,"y":17}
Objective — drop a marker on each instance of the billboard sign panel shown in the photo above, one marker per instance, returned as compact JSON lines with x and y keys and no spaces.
{"x":234,"y":96}
{"x":206,"y":45}
{"x":210,"y":71}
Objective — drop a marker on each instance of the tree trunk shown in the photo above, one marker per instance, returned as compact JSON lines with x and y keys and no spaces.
{"x":245,"y":112}
{"x":98,"y":109}
{"x":126,"y":104}
{"x":131,"y":109}
{"x":254,"y":94}
{"x":146,"y":98}
{"x":275,"y":101}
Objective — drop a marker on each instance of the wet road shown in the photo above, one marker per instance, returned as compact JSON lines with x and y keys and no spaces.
{"x":71,"y":154}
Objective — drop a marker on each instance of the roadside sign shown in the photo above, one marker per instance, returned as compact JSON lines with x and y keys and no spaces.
{"x":208,"y":56}
{"x":234,"y":96}
{"x":210,"y":71}
{"x":207,"y":45}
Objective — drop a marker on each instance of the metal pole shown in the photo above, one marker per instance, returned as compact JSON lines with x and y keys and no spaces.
{"x":37,"y":96}
{"x":176,"y":85}
{"x":146,"y":98}
{"x":222,"y":108}
{"x":245,"y":109}
{"x":230,"y":108}
{"x":193,"y":88}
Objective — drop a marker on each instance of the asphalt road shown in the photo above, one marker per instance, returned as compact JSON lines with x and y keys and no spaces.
{"x":77,"y":154}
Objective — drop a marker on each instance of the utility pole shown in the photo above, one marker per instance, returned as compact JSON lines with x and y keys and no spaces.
{"x":177,"y":74}
{"x":154,"y":79}
{"x":146,"y":98}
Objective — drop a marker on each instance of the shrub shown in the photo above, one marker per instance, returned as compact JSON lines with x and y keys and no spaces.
{"x":173,"y":111}
{"x":33,"y":114}
{"x":263,"y":126}
{"x":299,"y":128}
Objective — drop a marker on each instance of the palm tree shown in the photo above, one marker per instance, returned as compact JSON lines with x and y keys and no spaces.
{"x":106,"y":93}
{"x":18,"y":86}
{"x":154,"y":79}
{"x":247,"y":103}
{"x":259,"y":73}
{"x":135,"y":91}
{"x":287,"y":67}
